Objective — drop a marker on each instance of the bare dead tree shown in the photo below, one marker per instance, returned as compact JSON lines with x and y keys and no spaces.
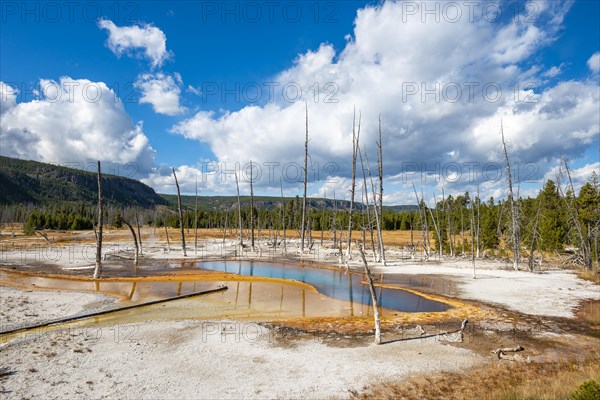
{"x":423,"y":218}
{"x":196,"y":218}
{"x":449,"y":228}
{"x":283,"y":216}
{"x":426,"y":222}
{"x":462,"y":230}
{"x":341,"y":257}
{"x":309,"y":221}
{"x":334,"y":222}
{"x":180,"y":214}
{"x":534,"y":233}
{"x":155,"y":220}
{"x":251,"y":208}
{"x":355,"y":138}
{"x":139,"y":232}
{"x":380,"y":211}
{"x":573,"y":212}
{"x":378,"y":221}
{"x":237,"y":186}
{"x":302,"y":225}
{"x":167,"y":235}
{"x":225,"y":227}
{"x":369,"y":222}
{"x":412,"y":241}
{"x":363,"y":216}
{"x":135,"y":242}
{"x":275,"y":227}
{"x":478,"y":221}
{"x":500,"y":215}
{"x":98,"y":268}
{"x":323,"y":219}
{"x":258,"y":229}
{"x":513,"y":207}
{"x":435,"y":226}
{"x":473,"y":238}
{"x":373,"y":297}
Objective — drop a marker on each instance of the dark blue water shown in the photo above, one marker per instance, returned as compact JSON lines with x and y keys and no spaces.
{"x":332,"y":283}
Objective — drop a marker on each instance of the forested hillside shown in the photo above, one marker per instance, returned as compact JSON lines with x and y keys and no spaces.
{"x":31,"y":182}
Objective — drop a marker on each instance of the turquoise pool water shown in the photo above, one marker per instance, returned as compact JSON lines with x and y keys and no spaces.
{"x":332,"y":283}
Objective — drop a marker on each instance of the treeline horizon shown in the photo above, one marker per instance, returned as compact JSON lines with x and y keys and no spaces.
{"x":459,"y":225}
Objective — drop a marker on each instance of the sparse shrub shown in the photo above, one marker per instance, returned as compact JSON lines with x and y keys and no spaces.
{"x":589,"y":390}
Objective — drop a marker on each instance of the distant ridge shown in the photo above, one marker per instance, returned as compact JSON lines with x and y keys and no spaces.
{"x":32,"y":182}
{"x":38,"y":183}
{"x":222,"y":203}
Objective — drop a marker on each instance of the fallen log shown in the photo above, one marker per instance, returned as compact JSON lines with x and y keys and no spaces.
{"x":45,"y":236}
{"x":516,"y":357}
{"x":501,"y":354}
{"x":97,"y":313}
{"x":508,"y":350}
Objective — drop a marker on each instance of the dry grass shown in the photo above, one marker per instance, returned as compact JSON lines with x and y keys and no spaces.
{"x":498,"y":381}
{"x":589,"y":275}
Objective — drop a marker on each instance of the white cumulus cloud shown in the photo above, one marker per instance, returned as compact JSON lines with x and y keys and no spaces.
{"x":161,"y":91}
{"x":594,"y":62}
{"x":440,"y":87}
{"x":76,"y":120}
{"x":130,"y":40}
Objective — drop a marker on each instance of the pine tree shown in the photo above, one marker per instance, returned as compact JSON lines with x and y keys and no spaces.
{"x":589,"y":212}
{"x":489,"y":225}
{"x":553,"y":224}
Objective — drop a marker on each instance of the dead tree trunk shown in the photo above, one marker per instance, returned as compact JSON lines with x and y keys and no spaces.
{"x":180,"y":215}
{"x":167,"y":235}
{"x":373,"y":297}
{"x":513,"y":208}
{"x":380,"y":212}
{"x":237,"y":186}
{"x":302,"y":225}
{"x":426,"y":223}
{"x":572,"y":208}
{"x":363,"y":216}
{"x":423,"y":217}
{"x":462,"y":230}
{"x":283,"y":217}
{"x":355,"y":138}
{"x":410,"y":220}
{"x":225,"y":227}
{"x":378,"y":221}
{"x":448,"y":228}
{"x":478,"y":221}
{"x":473,"y":238}
{"x":98,"y":268}
{"x":334,"y":222}
{"x":42,"y":234}
{"x":135,"y":242}
{"x":534,"y":233}
{"x":369,"y":221}
{"x":139,"y":232}
{"x":251,"y":209}
{"x":501,"y":354}
{"x":196,"y":219}
{"x":323,"y":220}
{"x":437,"y":231}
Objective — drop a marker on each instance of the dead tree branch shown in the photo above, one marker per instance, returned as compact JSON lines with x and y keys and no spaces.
{"x":180,"y":214}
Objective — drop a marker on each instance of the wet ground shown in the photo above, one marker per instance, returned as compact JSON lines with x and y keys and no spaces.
{"x":295,"y":309}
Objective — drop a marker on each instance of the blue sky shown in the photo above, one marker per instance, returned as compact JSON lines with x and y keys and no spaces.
{"x":212,"y":42}
{"x":168,"y":62}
